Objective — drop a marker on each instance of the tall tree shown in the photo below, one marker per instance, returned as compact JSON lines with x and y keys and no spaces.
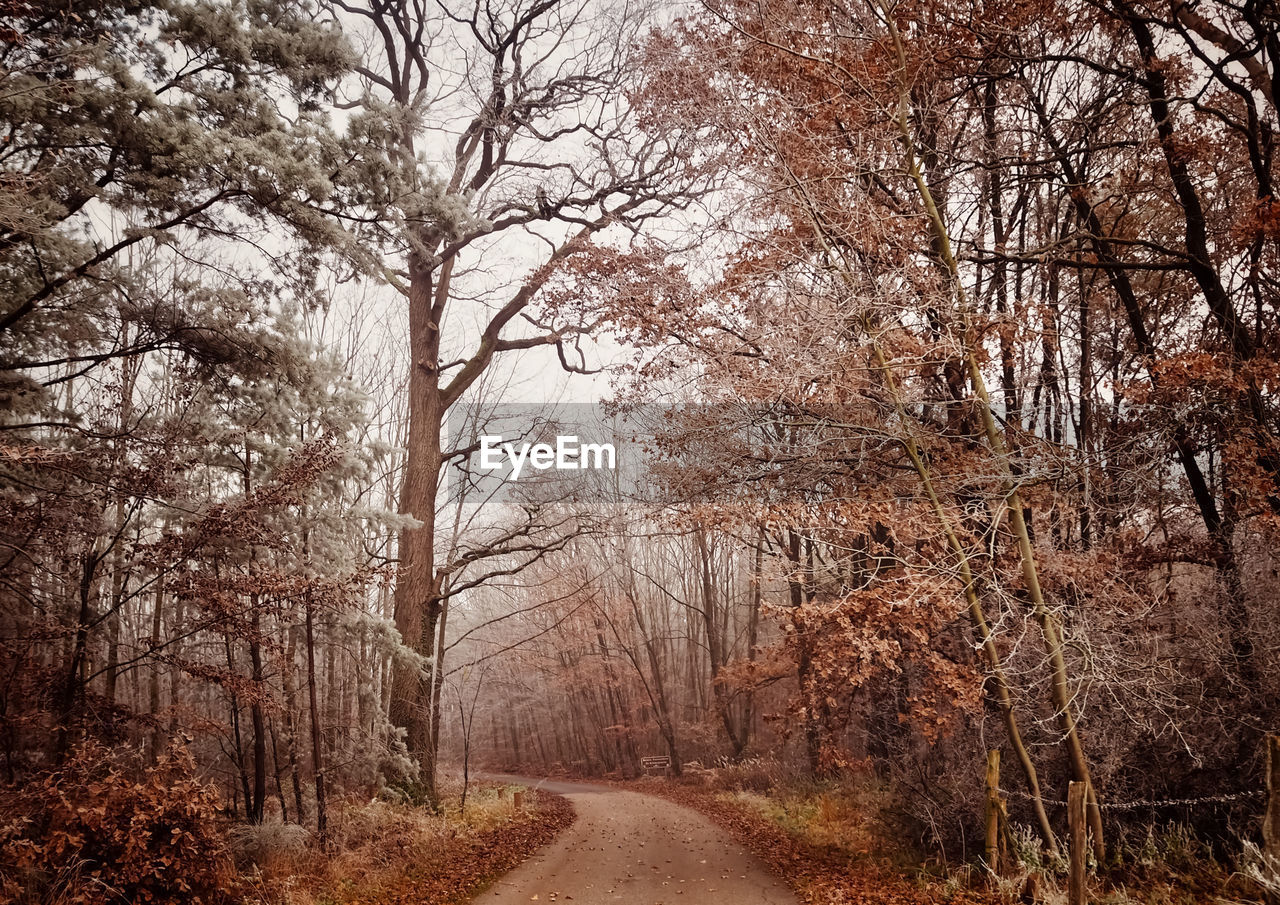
{"x":482,"y":134}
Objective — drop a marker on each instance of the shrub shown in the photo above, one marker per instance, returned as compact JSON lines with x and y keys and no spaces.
{"x":754,"y":774}
{"x":273,"y":846}
{"x":93,"y":832}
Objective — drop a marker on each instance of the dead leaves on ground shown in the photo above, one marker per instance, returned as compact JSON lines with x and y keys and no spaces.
{"x":455,"y":873}
{"x":819,"y":877}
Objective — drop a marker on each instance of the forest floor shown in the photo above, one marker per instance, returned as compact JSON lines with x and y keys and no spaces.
{"x":385,"y":854}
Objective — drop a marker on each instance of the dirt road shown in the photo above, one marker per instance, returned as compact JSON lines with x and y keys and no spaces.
{"x":638,"y":850}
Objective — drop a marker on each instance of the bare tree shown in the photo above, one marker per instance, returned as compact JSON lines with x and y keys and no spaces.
{"x":484,"y":134}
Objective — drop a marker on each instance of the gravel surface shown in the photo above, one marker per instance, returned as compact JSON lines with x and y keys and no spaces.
{"x":639,"y":850}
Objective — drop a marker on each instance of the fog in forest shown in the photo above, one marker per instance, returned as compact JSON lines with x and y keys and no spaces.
{"x":844,"y":437}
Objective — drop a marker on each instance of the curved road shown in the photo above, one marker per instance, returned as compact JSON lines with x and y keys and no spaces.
{"x":637,"y":850}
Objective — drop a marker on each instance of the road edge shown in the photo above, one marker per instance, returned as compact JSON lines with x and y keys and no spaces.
{"x":490,"y":854}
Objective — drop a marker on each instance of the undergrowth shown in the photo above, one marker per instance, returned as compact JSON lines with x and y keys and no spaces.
{"x":856,"y":821}
{"x":104,"y":828}
{"x":390,"y":852}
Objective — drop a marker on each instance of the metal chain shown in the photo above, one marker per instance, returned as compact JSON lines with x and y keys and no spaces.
{"x":1130,"y":805}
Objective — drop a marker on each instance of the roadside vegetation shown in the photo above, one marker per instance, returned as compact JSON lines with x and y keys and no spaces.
{"x":392,"y":853}
{"x":92,"y":836}
{"x":850,"y":841}
{"x":944,"y":337}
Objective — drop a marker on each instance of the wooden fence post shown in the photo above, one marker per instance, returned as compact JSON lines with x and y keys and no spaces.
{"x":992,"y":812}
{"x":517,"y":799}
{"x":1271,"y":822}
{"x":1271,"y":819}
{"x":1078,"y":832}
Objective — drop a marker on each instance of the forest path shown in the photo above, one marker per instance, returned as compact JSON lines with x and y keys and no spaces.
{"x":638,"y":850}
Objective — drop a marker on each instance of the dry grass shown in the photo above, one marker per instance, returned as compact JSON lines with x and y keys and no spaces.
{"x":1168,"y":865}
{"x":823,"y":818}
{"x":386,"y":852}
{"x":827,"y":841}
{"x":851,"y":823}
{"x":370,"y":843}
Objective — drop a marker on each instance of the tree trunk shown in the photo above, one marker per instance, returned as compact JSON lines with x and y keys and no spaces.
{"x":317,"y":736}
{"x":291,"y":723}
{"x":157,"y":736}
{"x":275,"y":765}
{"x":715,"y":644}
{"x":236,"y":736}
{"x":1048,"y":626}
{"x":257,"y":717}
{"x":417,"y":604}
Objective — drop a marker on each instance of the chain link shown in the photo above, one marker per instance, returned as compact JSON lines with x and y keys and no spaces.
{"x":1165,"y":802}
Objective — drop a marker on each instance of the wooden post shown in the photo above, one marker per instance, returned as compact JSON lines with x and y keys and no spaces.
{"x":992,"y":814}
{"x":1094,"y":811}
{"x":517,"y":799}
{"x":1077,"y":794}
{"x":1271,"y":821}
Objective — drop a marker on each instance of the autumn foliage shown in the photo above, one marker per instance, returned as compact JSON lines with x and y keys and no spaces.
{"x":952,"y":326}
{"x":102,"y":829}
